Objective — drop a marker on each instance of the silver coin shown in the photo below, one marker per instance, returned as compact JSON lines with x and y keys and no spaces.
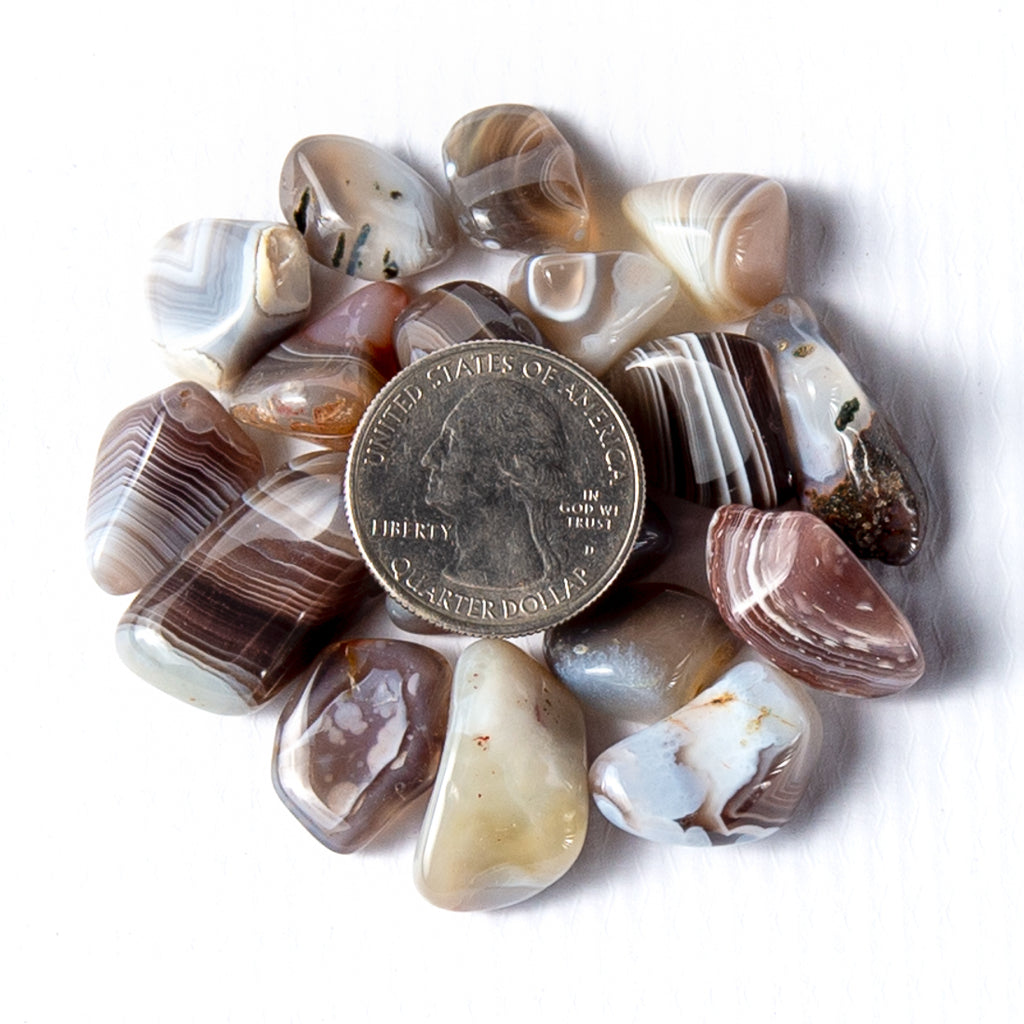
{"x":494,"y":488}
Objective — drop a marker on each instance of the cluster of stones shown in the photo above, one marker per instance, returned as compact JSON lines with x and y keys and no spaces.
{"x":247,"y":580}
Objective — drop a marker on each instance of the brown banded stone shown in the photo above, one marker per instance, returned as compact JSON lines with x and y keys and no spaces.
{"x":243,"y":610}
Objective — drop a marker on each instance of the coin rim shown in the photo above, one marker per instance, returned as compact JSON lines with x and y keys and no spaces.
{"x":426,"y":612}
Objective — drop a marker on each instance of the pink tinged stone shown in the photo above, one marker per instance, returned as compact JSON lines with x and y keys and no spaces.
{"x":642,"y":652}
{"x":724,"y":235}
{"x":362,"y":211}
{"x":362,"y":738}
{"x":317,"y":384}
{"x":593,"y":306}
{"x":508,"y":814}
{"x":789,"y":587}
{"x":730,"y":766}
{"x":853,"y":470}
{"x":515,"y":181}
{"x":249,"y":603}
{"x":167,"y":466}
{"x":221,"y":292}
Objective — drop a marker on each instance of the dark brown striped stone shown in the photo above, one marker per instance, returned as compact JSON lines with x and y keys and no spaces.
{"x":246,"y":607}
{"x":706,"y":411}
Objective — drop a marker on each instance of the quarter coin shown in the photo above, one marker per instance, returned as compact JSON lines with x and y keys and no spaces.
{"x":494,"y":488}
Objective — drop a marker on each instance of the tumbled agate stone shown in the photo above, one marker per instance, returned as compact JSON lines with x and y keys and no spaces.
{"x":853,"y":470}
{"x":789,"y":587}
{"x":167,"y":466}
{"x":362,"y":738}
{"x":363,"y":211}
{"x":724,"y":235}
{"x":508,"y":813}
{"x":226,"y":626}
{"x":221,"y":292}
{"x":456,"y":312}
{"x":515,"y":181}
{"x":593,"y":306}
{"x":409,"y":621}
{"x":730,"y":766}
{"x":642,"y":652}
{"x":706,"y":411}
{"x":317,"y":384}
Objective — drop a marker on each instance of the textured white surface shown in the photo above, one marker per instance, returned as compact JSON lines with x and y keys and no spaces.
{"x":151,"y":874}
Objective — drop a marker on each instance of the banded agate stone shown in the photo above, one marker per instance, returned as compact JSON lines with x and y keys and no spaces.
{"x":221,"y":292}
{"x":361,"y":739}
{"x":167,"y":466}
{"x":363,"y":211}
{"x":724,"y":235}
{"x":515,"y":181}
{"x":641,"y":653}
{"x":593,"y":306}
{"x":508,"y":814}
{"x":853,"y":470}
{"x":706,"y":411}
{"x":456,"y":312}
{"x":243,"y":610}
{"x":730,"y":766}
{"x":317,"y":384}
{"x":788,"y":586}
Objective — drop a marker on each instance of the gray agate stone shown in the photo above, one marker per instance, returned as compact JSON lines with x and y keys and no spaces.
{"x":730,"y":766}
{"x":222,"y":292}
{"x":641,"y":653}
{"x":362,"y":738}
{"x":363,"y":211}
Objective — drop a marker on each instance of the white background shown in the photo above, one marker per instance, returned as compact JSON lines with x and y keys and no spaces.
{"x":149,"y":871}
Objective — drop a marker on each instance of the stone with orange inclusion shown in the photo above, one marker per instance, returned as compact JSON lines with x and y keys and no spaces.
{"x":317,"y":384}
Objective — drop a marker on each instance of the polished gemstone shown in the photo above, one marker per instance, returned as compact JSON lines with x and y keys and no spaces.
{"x":725,"y":236}
{"x":456,"y":312}
{"x":408,"y":621}
{"x":642,"y":652}
{"x":222,"y":292}
{"x":653,"y":542}
{"x":852,"y":467}
{"x":363,"y":211}
{"x":515,"y":181}
{"x":789,"y":587}
{"x":508,"y":813}
{"x":706,"y":410}
{"x":317,"y":384}
{"x":167,"y":467}
{"x":730,"y":766}
{"x":243,"y":611}
{"x":593,"y":306}
{"x":362,"y":738}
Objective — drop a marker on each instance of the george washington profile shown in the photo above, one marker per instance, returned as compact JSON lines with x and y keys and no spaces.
{"x":498,"y":470}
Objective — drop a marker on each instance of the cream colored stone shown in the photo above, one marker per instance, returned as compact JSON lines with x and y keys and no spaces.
{"x":508,"y":813}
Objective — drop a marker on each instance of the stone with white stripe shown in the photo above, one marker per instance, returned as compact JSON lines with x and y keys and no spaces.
{"x":706,"y":411}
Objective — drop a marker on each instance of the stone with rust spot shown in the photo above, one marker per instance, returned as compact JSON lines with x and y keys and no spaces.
{"x":508,"y":813}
